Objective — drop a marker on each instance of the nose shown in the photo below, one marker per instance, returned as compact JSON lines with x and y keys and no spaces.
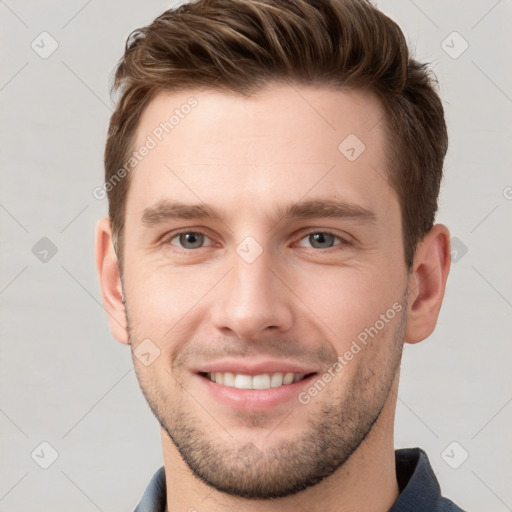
{"x":252,"y":301}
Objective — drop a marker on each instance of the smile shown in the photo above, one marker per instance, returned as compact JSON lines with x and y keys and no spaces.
{"x":260,"y":381}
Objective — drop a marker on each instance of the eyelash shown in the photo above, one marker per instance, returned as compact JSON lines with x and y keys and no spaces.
{"x":343,"y":242}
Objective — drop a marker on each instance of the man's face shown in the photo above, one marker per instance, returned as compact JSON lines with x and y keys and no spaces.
{"x":265,"y":289}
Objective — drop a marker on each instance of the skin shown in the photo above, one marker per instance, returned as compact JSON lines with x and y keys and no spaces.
{"x":296,"y":301}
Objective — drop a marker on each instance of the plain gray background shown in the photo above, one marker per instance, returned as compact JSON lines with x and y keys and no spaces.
{"x":66,"y":382}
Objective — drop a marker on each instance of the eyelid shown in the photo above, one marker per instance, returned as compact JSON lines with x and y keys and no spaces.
{"x":168,"y":237}
{"x":344,"y":240}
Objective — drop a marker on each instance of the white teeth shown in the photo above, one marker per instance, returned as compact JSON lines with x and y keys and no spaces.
{"x":243,"y":381}
{"x":229,"y":379}
{"x":261,"y":381}
{"x":288,"y":378}
{"x":276,"y":380}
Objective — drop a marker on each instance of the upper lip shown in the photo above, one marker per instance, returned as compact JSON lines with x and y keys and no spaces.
{"x":254,"y":368}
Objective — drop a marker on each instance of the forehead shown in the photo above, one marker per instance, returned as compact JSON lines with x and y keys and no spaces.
{"x":280,"y":144}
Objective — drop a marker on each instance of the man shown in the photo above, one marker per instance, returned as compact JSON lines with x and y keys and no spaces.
{"x":272,"y":169}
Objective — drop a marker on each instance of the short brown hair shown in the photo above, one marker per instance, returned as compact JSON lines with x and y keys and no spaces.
{"x":240,"y":46}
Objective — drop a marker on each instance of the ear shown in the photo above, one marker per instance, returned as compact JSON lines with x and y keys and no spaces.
{"x":110,"y":281}
{"x":427,"y":281}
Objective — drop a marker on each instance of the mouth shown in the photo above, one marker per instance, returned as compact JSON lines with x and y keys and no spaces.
{"x":260,"y":381}
{"x":256,"y":385}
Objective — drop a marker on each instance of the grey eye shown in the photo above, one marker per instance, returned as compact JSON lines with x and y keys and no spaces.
{"x":191,"y":240}
{"x":321,"y":240}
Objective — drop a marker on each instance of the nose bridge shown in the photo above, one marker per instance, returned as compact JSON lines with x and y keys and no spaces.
{"x":252,"y":300}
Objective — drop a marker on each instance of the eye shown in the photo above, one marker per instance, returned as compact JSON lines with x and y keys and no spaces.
{"x":189,"y":240}
{"x":321,"y":240}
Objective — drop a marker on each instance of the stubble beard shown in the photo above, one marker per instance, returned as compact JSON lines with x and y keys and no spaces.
{"x":276,"y":470}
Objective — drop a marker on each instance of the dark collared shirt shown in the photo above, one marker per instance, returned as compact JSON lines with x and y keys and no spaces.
{"x":419,"y":489}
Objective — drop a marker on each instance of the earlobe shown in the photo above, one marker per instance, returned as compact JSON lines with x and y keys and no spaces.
{"x":110,"y":281}
{"x":427,"y":283}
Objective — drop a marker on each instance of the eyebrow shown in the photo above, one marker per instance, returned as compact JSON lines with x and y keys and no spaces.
{"x":325,"y":208}
{"x":166,"y":210}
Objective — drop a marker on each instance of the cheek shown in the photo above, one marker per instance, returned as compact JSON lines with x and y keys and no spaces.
{"x":348,"y":302}
{"x":160,"y":300}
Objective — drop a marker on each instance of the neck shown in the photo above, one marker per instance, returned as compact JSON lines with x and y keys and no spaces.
{"x":365,"y":483}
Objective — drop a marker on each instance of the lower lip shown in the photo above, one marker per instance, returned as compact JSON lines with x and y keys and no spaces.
{"x":254,"y":399}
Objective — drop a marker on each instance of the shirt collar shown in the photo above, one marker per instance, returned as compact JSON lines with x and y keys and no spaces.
{"x":155,"y":496}
{"x":418,"y":485}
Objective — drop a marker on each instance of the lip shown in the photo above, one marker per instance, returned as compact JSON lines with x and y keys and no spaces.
{"x":253,"y":399}
{"x":255,"y":368}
